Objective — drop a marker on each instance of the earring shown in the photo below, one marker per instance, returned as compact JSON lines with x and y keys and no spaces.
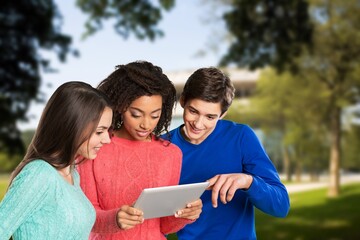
{"x":119,"y":123}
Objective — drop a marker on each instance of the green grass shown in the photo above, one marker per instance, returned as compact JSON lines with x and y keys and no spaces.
{"x":314,"y":216}
{"x":4,"y":179}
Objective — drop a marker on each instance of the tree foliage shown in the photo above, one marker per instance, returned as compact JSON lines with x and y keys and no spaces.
{"x":139,"y":17}
{"x":351,"y":145}
{"x":26,"y":27}
{"x":267,"y":32}
{"x":335,"y":62}
{"x":9,"y":162}
{"x":272,"y":33}
{"x":292,"y":107}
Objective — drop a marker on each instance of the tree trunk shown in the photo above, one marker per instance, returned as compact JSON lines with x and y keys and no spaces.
{"x":314,"y":176}
{"x":334,"y":171}
{"x":287,"y":163}
{"x":298,"y":171}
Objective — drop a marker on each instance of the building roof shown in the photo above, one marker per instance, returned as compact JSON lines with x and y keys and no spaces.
{"x":235,"y":75}
{"x":244,"y":80}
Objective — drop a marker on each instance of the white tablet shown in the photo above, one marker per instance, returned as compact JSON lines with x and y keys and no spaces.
{"x":165,"y":201}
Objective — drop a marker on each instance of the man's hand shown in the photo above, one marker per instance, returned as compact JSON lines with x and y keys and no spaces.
{"x":226,"y":185}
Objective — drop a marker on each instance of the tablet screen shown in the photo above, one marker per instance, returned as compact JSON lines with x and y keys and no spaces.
{"x":165,"y":201}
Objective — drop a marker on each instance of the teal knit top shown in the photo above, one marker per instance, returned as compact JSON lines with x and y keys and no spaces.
{"x":41,"y":204}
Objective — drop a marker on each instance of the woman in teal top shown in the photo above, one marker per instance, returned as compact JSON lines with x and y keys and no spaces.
{"x":44,"y":199}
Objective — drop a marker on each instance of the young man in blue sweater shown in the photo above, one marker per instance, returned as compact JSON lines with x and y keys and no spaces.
{"x":228,"y":155}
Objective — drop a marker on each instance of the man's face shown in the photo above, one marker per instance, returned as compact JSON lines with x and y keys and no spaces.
{"x":200,"y":118}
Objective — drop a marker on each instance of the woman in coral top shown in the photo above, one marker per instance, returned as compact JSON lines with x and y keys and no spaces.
{"x":136,"y":158}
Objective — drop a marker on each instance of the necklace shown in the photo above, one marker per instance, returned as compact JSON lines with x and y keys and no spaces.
{"x":67,"y":173}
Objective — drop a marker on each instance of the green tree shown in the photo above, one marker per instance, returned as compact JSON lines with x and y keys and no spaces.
{"x":350,"y":151}
{"x":26,"y":27}
{"x":291,"y":107}
{"x":333,"y":59}
{"x":9,"y":162}
{"x":335,"y":62}
{"x":138,"y":17}
{"x":267,"y":32}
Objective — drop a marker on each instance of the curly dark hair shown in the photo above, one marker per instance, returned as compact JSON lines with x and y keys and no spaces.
{"x":136,"y":79}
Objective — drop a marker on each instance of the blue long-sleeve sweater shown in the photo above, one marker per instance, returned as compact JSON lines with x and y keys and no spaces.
{"x":231,"y":148}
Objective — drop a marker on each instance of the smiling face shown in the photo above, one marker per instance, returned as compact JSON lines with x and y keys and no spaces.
{"x":141,"y":118}
{"x":90,"y":148}
{"x":200,"y":118}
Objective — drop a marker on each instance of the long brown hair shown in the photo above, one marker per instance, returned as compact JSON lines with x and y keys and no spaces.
{"x":70,"y":117}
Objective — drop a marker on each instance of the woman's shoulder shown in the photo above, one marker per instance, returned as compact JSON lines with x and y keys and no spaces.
{"x":163,"y":142}
{"x":40,"y":164}
{"x":36,"y":174}
{"x":167,"y":146}
{"x":38,"y":170}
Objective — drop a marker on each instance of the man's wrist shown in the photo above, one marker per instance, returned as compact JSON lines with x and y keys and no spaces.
{"x":249,"y":181}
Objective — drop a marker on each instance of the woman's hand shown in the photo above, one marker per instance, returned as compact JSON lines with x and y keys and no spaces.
{"x":128,"y":217}
{"x":192,"y":210}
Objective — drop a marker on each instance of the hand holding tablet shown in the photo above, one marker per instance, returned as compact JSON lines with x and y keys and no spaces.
{"x":165,"y":201}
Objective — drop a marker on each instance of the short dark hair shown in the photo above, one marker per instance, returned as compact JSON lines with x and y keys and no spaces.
{"x":69,"y":118}
{"x":210,"y":85}
{"x":136,"y":79}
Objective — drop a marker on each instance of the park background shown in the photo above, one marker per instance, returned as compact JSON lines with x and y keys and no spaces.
{"x":304,"y":104}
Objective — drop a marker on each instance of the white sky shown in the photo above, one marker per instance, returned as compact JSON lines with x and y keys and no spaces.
{"x":186,"y":33}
